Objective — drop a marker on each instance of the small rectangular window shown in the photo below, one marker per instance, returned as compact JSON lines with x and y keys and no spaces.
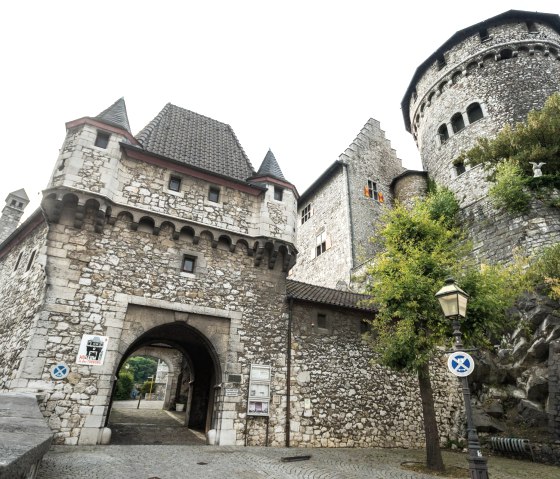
{"x":278,"y":193}
{"x":371,"y":190}
{"x":322,"y":321}
{"x":174,"y":183}
{"x":188,"y":264}
{"x":306,"y":213}
{"x":321,"y":244}
{"x":441,"y":62}
{"x":102,"y":139}
{"x":214,"y":194}
{"x":483,"y":34}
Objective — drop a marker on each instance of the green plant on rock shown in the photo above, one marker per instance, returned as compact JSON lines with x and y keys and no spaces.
{"x":509,"y":189}
{"x":545,"y":270}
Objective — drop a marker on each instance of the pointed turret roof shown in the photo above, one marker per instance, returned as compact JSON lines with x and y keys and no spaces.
{"x":115,"y":115}
{"x":196,"y":140}
{"x":270,"y":167}
{"x":20,"y":194}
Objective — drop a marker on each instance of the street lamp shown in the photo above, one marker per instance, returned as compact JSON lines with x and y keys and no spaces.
{"x":453,"y":301}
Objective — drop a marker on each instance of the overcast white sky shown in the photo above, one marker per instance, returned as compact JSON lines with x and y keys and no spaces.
{"x":299,"y":77}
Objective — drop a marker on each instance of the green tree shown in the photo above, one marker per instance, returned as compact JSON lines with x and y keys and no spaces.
{"x":125,"y":383}
{"x":421,"y":247}
{"x":142,"y":367}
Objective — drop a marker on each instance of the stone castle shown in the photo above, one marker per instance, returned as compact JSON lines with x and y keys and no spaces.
{"x":169,"y":243}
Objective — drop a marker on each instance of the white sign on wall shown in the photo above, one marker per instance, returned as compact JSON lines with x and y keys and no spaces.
{"x":92,"y":350}
{"x":258,"y":403}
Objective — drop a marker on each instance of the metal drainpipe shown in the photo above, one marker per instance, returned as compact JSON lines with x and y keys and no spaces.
{"x":289,"y":369}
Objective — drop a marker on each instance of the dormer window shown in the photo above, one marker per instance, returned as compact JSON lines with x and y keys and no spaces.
{"x":102,"y":139}
{"x":278,"y":193}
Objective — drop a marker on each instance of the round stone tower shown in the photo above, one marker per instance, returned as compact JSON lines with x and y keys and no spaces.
{"x":482,"y":78}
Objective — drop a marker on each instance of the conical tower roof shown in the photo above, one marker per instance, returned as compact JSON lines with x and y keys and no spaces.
{"x":20,"y":194}
{"x":270,"y":167}
{"x":116,"y":115}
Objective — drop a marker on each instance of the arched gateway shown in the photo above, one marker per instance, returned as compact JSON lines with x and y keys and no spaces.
{"x":198,"y":339}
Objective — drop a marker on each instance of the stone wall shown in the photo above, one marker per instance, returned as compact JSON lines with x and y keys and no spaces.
{"x":369,"y":157}
{"x":498,"y":235}
{"x":330,"y":215}
{"x":341,"y":398}
{"x":506,"y":89}
{"x":94,"y":278}
{"x":554,"y":390}
{"x":22,"y":290}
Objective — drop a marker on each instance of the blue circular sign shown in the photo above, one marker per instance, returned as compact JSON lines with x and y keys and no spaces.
{"x":60,"y":371}
{"x":460,"y":363}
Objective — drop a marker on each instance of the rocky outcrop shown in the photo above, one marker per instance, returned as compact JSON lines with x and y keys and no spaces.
{"x":517,"y":386}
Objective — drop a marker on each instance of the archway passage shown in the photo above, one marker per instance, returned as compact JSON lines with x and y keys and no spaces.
{"x":179,"y":410}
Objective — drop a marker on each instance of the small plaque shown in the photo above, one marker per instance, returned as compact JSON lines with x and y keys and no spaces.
{"x":258,"y":408}
{"x":234,"y":378}
{"x":260,"y":373}
{"x":232,"y":392}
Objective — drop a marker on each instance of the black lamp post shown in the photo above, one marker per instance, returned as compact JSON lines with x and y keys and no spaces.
{"x":453,"y":301}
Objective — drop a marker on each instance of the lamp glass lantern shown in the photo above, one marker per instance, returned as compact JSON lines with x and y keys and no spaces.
{"x":453,"y":300}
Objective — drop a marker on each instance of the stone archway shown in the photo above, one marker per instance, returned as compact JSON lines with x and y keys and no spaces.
{"x":201,"y":343}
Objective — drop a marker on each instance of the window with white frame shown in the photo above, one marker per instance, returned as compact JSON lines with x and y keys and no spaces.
{"x":371,"y":190}
{"x":306,"y":213}
{"x":321,"y":244}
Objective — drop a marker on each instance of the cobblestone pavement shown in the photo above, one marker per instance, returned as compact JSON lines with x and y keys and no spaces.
{"x":209,"y":462}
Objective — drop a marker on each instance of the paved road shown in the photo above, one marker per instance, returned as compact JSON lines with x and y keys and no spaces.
{"x":212,"y":462}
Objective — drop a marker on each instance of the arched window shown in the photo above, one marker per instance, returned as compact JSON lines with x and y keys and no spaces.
{"x":443,"y":133}
{"x":457,"y":122}
{"x":442,"y":86}
{"x":456,"y":77}
{"x":474,"y":112}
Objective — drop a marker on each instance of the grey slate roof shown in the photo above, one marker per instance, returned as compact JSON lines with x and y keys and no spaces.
{"x":196,"y":140}
{"x":334,"y":297}
{"x":116,"y":115}
{"x":270,"y":167}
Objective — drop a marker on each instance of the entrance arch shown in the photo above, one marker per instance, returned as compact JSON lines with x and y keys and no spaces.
{"x":200,"y":341}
